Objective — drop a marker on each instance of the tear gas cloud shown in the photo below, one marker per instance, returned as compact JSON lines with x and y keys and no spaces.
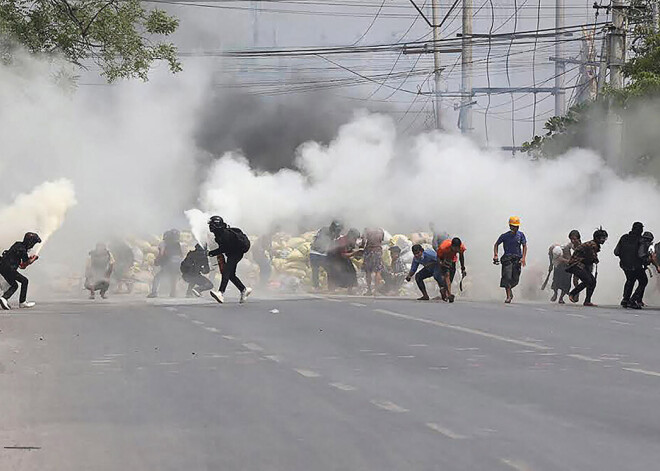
{"x":370,"y":176}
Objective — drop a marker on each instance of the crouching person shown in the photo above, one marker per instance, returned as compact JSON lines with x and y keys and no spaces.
{"x":428,"y":259}
{"x":581,"y":265}
{"x":193,"y":269}
{"x":99,"y":269}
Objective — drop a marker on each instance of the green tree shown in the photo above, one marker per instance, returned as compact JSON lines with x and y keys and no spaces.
{"x":122,"y":37}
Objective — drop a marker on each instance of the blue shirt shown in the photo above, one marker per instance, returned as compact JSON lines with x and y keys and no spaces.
{"x":513,"y":243}
{"x":429,"y":259}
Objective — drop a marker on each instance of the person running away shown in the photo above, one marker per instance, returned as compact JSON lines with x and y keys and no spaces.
{"x":99,"y":270}
{"x":648,"y":257}
{"x":11,"y":260}
{"x":193,"y":269}
{"x":583,"y":259}
{"x":514,"y":258}
{"x":373,"y":256}
{"x":449,"y":252}
{"x":394,"y":276}
{"x":428,"y":259}
{"x":168,"y":259}
{"x":339,"y":266}
{"x":124,"y":260}
{"x":233,"y":244}
{"x":630,"y":261}
{"x":322,"y":242}
{"x":559,"y":256}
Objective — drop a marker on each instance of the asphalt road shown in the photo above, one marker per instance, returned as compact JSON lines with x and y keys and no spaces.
{"x":328,"y":384}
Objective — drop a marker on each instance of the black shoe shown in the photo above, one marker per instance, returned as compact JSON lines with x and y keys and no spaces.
{"x":634,"y":305}
{"x":625,"y":304}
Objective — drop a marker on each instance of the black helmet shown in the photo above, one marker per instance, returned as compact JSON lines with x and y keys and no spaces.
{"x":637,"y":228}
{"x":600,"y":235}
{"x":648,"y":236}
{"x":456,"y":242}
{"x":216,"y":223}
{"x":336,"y":227}
{"x":31,"y":239}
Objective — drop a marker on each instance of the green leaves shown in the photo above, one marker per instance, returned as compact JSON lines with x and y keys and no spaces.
{"x":122,"y":37}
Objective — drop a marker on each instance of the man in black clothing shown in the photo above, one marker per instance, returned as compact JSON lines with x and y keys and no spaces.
{"x":12,"y":259}
{"x":193,"y":269}
{"x":580,"y":264}
{"x":232,"y":244}
{"x":632,"y":265}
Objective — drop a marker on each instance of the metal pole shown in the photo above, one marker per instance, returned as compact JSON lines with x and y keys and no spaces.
{"x":466,"y":69}
{"x":560,"y":66}
{"x":435,"y":5}
{"x":255,"y":23}
{"x":617,"y":45}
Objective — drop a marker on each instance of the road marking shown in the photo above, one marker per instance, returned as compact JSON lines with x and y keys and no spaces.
{"x":211,"y":329}
{"x":525,"y":351}
{"x":168,"y":363}
{"x":228,"y":337}
{"x":418,"y":345}
{"x":342,"y":386}
{"x":253,"y":346}
{"x":379,"y":354}
{"x":274,"y":358}
{"x":540,"y":309}
{"x":171,"y":309}
{"x":182,"y":315}
{"x":466,"y":349}
{"x":620,"y":323}
{"x":358,"y":305}
{"x":629,"y":363}
{"x":216,"y":355}
{"x":644,"y":372}
{"x":197,"y":322}
{"x":445,"y":431}
{"x":577,"y":356}
{"x":576,"y":315}
{"x":388,"y":405}
{"x":333,"y":300}
{"x":307,"y":373}
{"x":405,"y":356}
{"x":517,"y":465}
{"x":330,"y":358}
{"x":465,"y":330}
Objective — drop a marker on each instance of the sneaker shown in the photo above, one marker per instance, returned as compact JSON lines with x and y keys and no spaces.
{"x":152,"y":295}
{"x":589,"y":304}
{"x":573,"y":298}
{"x":423,"y":298}
{"x":4,"y":303}
{"x":244,"y":295}
{"x":196,"y":293}
{"x":553,"y":298}
{"x":451,"y":298}
{"x":27,"y":304}
{"x":217,"y":295}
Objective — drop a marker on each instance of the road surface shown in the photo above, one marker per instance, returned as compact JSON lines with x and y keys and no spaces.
{"x":320,"y":384}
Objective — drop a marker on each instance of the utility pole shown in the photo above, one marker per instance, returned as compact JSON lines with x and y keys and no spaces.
{"x":465,"y":116}
{"x":560,"y":65}
{"x":255,"y":23}
{"x":435,"y":6}
{"x":617,"y":53}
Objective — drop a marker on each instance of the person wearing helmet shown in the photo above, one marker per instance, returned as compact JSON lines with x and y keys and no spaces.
{"x":559,"y":256}
{"x":632,"y":254}
{"x":581,"y":263}
{"x":99,"y":269}
{"x":648,"y":257}
{"x":193,"y":268}
{"x":339,"y":266}
{"x":449,"y":252}
{"x":322,"y":242}
{"x":11,"y":260}
{"x":514,"y":257}
{"x":170,"y":254}
{"x":233,"y":244}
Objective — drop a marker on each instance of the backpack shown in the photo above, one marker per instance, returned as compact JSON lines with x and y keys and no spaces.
{"x":188,"y":265}
{"x":242,"y":241}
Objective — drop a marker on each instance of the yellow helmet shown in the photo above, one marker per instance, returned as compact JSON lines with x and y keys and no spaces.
{"x":514,"y":221}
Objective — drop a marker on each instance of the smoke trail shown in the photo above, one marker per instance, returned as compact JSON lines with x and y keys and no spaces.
{"x":371,"y":177}
{"x":42,"y":211}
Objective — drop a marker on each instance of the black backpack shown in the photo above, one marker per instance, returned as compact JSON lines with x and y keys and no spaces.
{"x":242,"y":241}
{"x":188,"y":265}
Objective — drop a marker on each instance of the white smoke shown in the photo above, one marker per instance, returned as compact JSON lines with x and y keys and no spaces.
{"x":369,"y":176}
{"x":41,"y":211}
{"x":198,"y":221}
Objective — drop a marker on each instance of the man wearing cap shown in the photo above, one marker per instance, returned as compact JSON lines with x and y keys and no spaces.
{"x":514,"y":258}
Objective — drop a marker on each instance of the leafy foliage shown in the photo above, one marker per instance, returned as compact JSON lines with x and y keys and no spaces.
{"x":117,"y":35}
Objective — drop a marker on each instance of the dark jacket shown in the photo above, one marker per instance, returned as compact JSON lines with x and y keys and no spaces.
{"x":196,"y":262}
{"x":15,"y":256}
{"x":584,"y":255}
{"x":228,"y":243}
{"x":627,"y":249}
